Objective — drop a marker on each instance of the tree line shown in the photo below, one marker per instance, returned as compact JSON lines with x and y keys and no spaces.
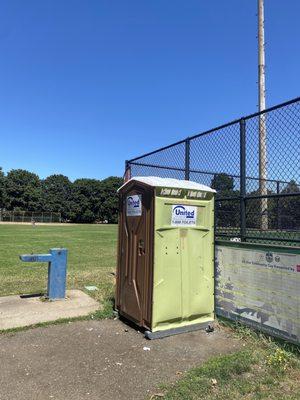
{"x":82,"y":201}
{"x":283,"y":212}
{"x":91,"y":200}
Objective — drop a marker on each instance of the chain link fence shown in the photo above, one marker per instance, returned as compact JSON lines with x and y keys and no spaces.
{"x":257,"y":181}
{"x":29,"y":216}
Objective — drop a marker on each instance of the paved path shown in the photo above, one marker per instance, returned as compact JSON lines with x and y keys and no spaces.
{"x":16,"y":312}
{"x":98,"y":360}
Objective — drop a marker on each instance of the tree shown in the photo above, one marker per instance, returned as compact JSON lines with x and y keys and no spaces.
{"x":2,"y":189}
{"x":95,"y":200}
{"x":227,"y":212}
{"x":109,"y":199}
{"x":23,"y":191}
{"x":86,"y":195}
{"x":85,"y":200}
{"x":289,"y":207}
{"x":57,"y":195}
{"x":283,"y":212}
{"x":222,"y":183}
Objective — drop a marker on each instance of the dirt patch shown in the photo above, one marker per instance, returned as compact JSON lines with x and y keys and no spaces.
{"x":104,"y":360}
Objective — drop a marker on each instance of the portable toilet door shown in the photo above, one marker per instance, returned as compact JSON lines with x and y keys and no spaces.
{"x":135,"y":253}
{"x":165,"y":280}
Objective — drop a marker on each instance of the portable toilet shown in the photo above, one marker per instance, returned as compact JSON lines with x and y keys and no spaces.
{"x":165,"y":273}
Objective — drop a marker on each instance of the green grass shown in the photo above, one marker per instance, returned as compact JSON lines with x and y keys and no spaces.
{"x":262,"y":369}
{"x":92,"y":258}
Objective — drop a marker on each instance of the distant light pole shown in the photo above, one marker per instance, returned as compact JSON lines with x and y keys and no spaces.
{"x":262,"y":118}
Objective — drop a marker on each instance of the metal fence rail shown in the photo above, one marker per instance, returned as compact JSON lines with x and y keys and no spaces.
{"x":258,"y":198}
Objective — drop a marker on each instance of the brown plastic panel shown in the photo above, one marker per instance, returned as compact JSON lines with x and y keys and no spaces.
{"x":135,"y":257}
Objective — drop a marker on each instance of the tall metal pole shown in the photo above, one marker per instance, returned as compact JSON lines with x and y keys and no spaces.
{"x":262,"y":117}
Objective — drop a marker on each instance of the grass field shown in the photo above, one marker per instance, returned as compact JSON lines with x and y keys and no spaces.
{"x":92,"y":256}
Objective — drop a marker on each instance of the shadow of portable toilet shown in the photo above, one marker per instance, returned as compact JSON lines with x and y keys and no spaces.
{"x":165,"y":273}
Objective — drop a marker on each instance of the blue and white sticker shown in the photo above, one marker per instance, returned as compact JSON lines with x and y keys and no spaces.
{"x":183,"y":215}
{"x":134,"y":205}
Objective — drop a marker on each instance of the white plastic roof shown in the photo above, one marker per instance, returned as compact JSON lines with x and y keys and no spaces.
{"x":156,"y":181}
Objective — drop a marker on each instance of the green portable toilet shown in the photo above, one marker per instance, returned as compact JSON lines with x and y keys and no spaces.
{"x":165,"y":273}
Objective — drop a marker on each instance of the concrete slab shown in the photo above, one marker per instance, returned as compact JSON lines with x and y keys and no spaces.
{"x":18,"y":312}
{"x":99,"y":360}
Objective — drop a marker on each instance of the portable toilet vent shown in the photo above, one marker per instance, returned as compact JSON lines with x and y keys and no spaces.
{"x":165,"y":281}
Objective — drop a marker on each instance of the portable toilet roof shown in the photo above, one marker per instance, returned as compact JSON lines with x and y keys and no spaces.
{"x":156,"y":181}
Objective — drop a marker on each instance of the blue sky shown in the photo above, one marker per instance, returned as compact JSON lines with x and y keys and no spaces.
{"x":85,"y":85}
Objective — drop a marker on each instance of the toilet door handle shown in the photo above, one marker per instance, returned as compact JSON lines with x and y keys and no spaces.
{"x":141,"y":247}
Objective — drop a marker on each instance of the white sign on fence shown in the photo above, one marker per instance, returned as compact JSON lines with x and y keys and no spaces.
{"x":261,"y":287}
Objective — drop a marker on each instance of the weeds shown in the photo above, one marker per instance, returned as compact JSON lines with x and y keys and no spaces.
{"x":279,"y":360}
{"x":265,"y":368}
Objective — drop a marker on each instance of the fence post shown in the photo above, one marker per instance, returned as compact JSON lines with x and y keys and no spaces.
{"x":187,"y":160}
{"x":127,"y":173}
{"x":243,"y":179}
{"x":278,"y":211}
